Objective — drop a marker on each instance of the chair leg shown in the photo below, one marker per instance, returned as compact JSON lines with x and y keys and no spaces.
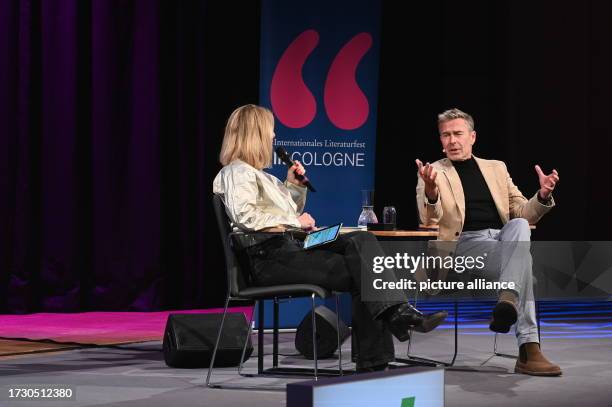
{"x":456,"y":310}
{"x":416,"y":299}
{"x":537,"y":309}
{"x":420,"y":361}
{"x":275,"y":334}
{"x":314,"y":336}
{"x":246,"y":340}
{"x":409,"y":343}
{"x":498,"y":353}
{"x":214,"y":355}
{"x":338,"y":334}
{"x":501,"y":354}
{"x":495,"y":343}
{"x":260,"y":336}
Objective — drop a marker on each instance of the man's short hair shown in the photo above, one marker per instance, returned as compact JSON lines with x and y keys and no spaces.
{"x":453,"y":114}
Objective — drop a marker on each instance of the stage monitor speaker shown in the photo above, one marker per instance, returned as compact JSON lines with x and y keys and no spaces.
{"x":189,"y":340}
{"x":327,"y":333}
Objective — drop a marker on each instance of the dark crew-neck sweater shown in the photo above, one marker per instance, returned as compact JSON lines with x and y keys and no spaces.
{"x":480,"y":210}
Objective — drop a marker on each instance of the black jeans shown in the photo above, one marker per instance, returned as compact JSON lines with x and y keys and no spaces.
{"x":335,"y":266}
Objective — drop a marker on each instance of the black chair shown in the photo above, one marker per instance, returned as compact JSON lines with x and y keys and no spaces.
{"x":238,"y":289}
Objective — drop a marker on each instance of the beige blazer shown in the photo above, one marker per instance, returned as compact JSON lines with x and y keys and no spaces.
{"x":449,"y":210}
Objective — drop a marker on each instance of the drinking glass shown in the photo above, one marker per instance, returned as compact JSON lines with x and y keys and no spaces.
{"x":390,"y":215}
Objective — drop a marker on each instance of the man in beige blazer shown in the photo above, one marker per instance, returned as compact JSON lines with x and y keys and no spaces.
{"x":476,"y":204}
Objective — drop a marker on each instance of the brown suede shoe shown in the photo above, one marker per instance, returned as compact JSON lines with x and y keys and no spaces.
{"x":505,"y":313}
{"x":531,"y":361}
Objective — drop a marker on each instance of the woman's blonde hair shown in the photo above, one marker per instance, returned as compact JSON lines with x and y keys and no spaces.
{"x":248,"y":137}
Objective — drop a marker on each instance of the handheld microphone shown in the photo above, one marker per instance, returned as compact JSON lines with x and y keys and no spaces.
{"x":286,"y":158}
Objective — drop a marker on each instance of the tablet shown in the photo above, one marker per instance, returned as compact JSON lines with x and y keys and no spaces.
{"x":322,"y":236}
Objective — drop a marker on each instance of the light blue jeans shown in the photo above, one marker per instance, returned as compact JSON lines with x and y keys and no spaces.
{"x":508,"y":259}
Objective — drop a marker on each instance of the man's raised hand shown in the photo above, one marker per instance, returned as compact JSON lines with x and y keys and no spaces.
{"x":547,"y":182}
{"x":428,"y":174}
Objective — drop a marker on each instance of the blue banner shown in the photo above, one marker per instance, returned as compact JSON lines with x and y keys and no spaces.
{"x":319,"y":75}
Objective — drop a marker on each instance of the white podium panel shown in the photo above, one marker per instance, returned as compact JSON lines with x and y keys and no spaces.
{"x":411,"y":387}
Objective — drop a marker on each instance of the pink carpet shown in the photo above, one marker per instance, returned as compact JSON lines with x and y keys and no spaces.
{"x":99,"y":328}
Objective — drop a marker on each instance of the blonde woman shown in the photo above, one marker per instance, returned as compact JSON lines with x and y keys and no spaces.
{"x":257,"y":201}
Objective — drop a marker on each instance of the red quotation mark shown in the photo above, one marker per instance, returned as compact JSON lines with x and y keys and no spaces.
{"x":345,"y":103}
{"x":292,"y":101}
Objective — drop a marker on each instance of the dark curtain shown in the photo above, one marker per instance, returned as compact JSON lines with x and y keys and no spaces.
{"x":111,"y":117}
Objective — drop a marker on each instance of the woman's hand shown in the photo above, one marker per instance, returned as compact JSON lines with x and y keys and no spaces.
{"x":306,"y":221}
{"x":296,"y":168}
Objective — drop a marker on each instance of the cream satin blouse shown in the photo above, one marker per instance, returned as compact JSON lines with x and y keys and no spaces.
{"x":256,"y":200}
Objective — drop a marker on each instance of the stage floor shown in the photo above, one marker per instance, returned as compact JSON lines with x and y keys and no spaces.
{"x":135,"y":375}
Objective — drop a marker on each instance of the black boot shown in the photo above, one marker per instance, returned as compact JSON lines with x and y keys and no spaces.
{"x":404,"y":317}
{"x":431,"y":321}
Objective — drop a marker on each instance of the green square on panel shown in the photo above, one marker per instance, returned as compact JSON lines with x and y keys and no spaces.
{"x":408,"y":402}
